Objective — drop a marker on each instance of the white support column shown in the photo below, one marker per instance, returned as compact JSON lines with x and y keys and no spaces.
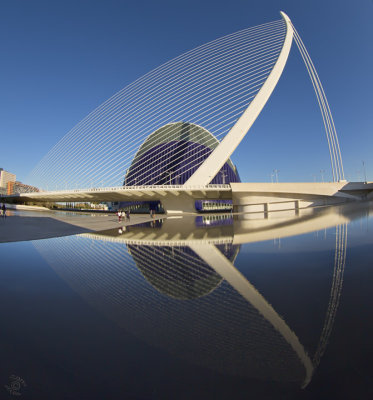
{"x":212,"y":165}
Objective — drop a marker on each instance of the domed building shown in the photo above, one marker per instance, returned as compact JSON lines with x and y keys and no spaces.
{"x":171,"y":154}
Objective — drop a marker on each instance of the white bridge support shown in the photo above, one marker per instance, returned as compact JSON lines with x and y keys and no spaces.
{"x":267,"y":197}
{"x":212,"y":165}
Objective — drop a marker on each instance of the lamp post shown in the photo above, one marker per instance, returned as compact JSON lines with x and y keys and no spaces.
{"x":322,"y":172}
{"x":223,"y":176}
{"x":365,"y":172}
{"x":276,"y":171}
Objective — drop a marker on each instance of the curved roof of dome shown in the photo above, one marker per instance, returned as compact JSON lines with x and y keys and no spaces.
{"x":177,"y":131}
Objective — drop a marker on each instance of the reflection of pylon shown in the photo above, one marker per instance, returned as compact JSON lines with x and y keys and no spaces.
{"x":196,"y":270}
{"x":335,"y":293}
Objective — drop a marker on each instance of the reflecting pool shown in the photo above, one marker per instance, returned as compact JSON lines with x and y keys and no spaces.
{"x":256,"y":306}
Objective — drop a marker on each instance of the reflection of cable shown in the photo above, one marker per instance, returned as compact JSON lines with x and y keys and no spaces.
{"x":335,"y":293}
{"x":241,"y":285}
{"x":220,"y":331}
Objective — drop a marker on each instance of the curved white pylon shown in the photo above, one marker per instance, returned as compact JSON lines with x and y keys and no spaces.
{"x":212,"y":165}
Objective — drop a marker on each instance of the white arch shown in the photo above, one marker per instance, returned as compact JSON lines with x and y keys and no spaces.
{"x":212,"y":165}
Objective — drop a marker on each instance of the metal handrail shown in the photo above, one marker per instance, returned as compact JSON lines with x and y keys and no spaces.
{"x":142,"y":187}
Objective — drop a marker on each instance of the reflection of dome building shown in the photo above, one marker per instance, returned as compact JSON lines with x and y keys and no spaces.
{"x":178,"y":272}
{"x":218,"y":329}
{"x":171,"y":155}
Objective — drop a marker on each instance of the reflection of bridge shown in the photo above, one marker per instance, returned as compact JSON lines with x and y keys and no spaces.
{"x":185,"y":231}
{"x":213,"y":315}
{"x":247,"y":197}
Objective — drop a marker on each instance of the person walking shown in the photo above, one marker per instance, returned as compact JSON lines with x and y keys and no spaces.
{"x":4,"y":210}
{"x":119,"y":213}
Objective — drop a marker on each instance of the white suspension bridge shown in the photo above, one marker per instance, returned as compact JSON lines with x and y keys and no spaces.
{"x":180,"y":123}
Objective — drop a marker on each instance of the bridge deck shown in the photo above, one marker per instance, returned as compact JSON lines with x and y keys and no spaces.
{"x":182,"y":197}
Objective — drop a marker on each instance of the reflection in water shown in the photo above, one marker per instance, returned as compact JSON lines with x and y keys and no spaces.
{"x":335,"y":293}
{"x":178,"y":272}
{"x":175,"y":286}
{"x":214,"y":220}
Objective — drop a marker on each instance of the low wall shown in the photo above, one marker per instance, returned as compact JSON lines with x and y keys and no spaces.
{"x":25,"y":208}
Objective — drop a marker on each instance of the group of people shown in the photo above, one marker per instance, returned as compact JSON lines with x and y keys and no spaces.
{"x":125,"y":214}
{"x":3,"y":210}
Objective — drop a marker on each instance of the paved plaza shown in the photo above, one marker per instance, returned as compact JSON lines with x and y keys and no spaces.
{"x":28,"y":225}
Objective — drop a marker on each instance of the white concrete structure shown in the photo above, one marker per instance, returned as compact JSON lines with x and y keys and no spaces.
{"x":246,"y":197}
{"x":205,"y":89}
{"x":212,"y":165}
{"x":220,"y":155}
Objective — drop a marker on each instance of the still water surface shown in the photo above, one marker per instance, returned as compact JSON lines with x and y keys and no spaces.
{"x":193,"y":308}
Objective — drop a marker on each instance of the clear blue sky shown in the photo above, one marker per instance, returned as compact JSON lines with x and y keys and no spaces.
{"x":61,"y":59}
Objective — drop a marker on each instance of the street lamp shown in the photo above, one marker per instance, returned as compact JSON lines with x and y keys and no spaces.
{"x":276,"y":171}
{"x":365,"y":172}
{"x":223,"y":176}
{"x":322,"y":172}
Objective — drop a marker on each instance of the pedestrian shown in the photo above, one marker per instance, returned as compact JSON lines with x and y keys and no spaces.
{"x":119,"y":216}
{"x":128,"y":214}
{"x":4,"y":210}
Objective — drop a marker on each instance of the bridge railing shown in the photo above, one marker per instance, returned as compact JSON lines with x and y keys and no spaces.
{"x":141,"y":187}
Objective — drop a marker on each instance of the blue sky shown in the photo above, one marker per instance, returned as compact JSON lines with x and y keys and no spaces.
{"x":60,"y":60}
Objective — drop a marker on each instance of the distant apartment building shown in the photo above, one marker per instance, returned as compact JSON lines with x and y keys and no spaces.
{"x":19,"y":187}
{"x":6,"y":177}
{"x":9,"y":185}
